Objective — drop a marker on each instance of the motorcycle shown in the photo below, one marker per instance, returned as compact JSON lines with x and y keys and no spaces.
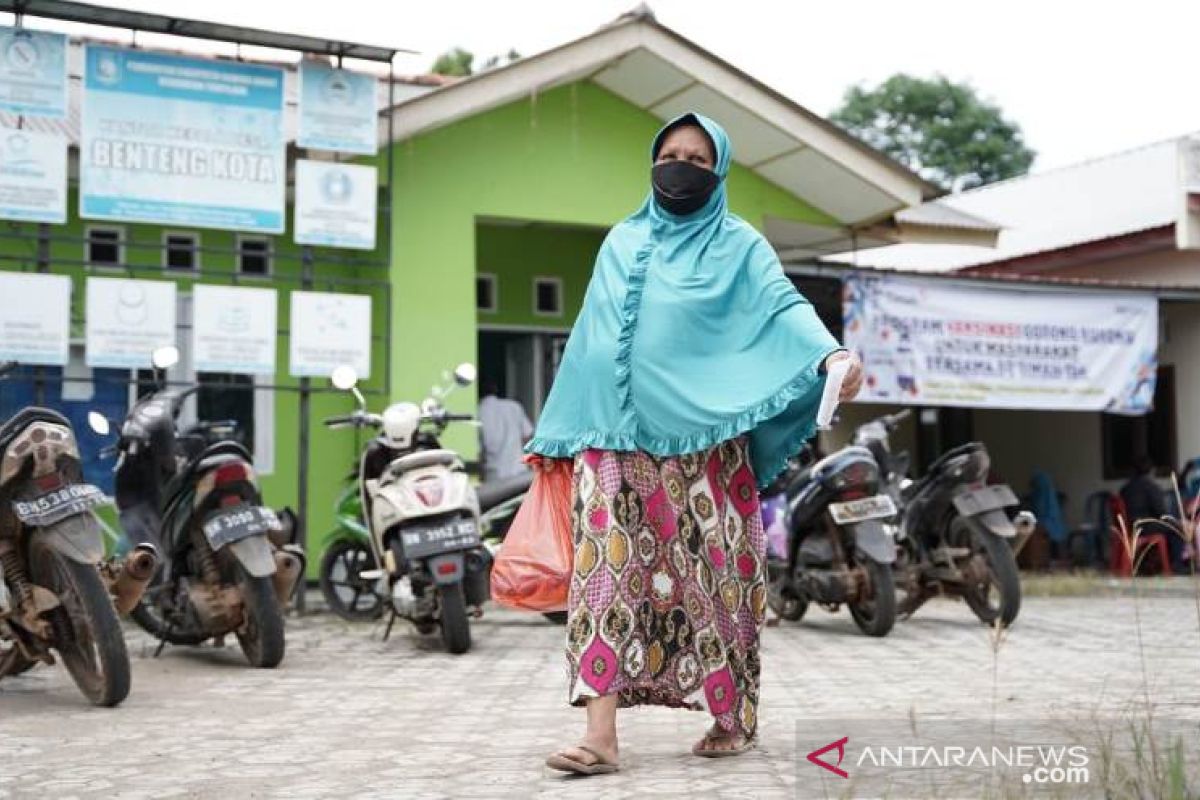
{"x":228,"y":565}
{"x":421,"y":511}
{"x":54,"y":589}
{"x":348,"y":552}
{"x":953,"y":531}
{"x":837,"y":549}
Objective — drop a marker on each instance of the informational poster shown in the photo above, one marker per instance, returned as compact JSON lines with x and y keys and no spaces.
{"x":339,"y":109}
{"x":182,"y":141}
{"x":234,"y":329}
{"x":335,"y":205}
{"x":35,"y":318}
{"x":33,"y":72}
{"x":933,"y":343}
{"x":328,"y":331}
{"x":127,"y":320}
{"x":33,"y":176}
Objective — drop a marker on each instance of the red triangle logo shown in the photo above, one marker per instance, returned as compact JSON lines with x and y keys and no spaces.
{"x":840,"y":746}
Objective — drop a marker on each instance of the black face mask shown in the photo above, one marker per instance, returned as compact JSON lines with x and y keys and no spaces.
{"x":681,"y":187}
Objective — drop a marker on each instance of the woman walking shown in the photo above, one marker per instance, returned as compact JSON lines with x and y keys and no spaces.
{"x":693,"y":372}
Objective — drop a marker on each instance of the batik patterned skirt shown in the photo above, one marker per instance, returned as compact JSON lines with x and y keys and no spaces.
{"x":668,"y":594}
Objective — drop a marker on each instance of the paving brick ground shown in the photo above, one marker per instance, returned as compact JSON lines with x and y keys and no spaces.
{"x":351,"y":716}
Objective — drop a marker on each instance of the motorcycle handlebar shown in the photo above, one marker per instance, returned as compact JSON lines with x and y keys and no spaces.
{"x":358,"y":419}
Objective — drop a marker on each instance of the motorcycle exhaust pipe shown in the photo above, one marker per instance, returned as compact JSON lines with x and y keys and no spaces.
{"x":133,"y":575}
{"x":289,"y":566}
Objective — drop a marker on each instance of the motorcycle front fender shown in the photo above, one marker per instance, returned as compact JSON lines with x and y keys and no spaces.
{"x":254,"y":553}
{"x":77,"y":538}
{"x":873,"y":540}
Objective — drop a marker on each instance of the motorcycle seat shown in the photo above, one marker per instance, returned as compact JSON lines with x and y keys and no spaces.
{"x":425,"y":458}
{"x":496,"y":492}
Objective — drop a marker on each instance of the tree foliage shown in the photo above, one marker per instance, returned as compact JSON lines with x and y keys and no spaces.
{"x":461,"y":63}
{"x":941,"y":130}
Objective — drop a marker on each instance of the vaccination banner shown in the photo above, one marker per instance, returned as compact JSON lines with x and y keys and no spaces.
{"x":182,"y":141}
{"x":935,"y":343}
{"x":33,"y":73}
{"x":234,"y":329}
{"x":127,"y":320}
{"x":338,"y":110}
{"x":33,"y":176}
{"x":329,"y":330}
{"x":35,"y":318}
{"x":335,"y":205}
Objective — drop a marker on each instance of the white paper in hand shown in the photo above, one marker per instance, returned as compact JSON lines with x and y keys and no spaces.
{"x":833,"y":390}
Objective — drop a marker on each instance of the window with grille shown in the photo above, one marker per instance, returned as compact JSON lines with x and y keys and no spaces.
{"x":180,"y":251}
{"x":254,"y":256}
{"x":105,"y":247}
{"x":547,"y":297}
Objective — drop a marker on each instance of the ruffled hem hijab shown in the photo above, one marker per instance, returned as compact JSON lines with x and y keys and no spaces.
{"x":690,"y":335}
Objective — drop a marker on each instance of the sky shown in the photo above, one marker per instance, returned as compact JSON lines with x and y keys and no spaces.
{"x":1082,"y":79}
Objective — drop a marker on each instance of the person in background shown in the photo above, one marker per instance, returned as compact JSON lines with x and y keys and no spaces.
{"x":1145,"y":500}
{"x":504,"y":430}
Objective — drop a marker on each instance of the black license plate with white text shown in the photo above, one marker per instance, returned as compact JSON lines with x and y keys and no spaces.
{"x":459,"y":534}
{"x":60,"y":503}
{"x":231,"y":525}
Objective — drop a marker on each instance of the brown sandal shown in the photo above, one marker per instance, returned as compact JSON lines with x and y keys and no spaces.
{"x":601,"y":766}
{"x":715,"y":734}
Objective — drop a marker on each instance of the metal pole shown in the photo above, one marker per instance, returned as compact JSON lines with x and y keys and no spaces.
{"x":306,"y":280}
{"x":43,"y":265}
{"x":388,"y":224}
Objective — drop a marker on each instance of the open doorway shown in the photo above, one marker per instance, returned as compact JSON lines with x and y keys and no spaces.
{"x":521,"y":365}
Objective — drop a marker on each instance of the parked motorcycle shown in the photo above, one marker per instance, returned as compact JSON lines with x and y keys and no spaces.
{"x":228,"y":566}
{"x":953,"y":531}
{"x":422,"y":512}
{"x":838,"y":550}
{"x":52,"y":594}
{"x":348,"y":551}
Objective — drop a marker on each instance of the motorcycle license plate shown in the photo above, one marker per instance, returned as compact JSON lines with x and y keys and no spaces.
{"x":852,"y":511}
{"x":461,"y":534}
{"x":985,"y":498}
{"x":231,"y":525}
{"x":59,"y":504}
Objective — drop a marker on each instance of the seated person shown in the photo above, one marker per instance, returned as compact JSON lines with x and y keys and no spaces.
{"x":1145,"y":500}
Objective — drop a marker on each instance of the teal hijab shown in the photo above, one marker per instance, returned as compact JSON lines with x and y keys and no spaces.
{"x":690,"y":335}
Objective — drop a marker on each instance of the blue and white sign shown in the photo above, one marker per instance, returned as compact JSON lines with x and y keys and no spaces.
{"x":328,"y":330}
{"x":35,"y":319}
{"x":234,"y":329}
{"x":933,"y":343}
{"x":127,"y":320}
{"x":33,"y":176}
{"x":339,"y":109}
{"x":33,"y":72}
{"x":182,"y":141}
{"x":335,"y":204}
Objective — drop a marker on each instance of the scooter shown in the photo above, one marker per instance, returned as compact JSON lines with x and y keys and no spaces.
{"x":838,"y":550}
{"x":53,"y":592}
{"x":953,"y":531}
{"x":422,"y":512}
{"x":227,"y":564}
{"x":348,"y":551}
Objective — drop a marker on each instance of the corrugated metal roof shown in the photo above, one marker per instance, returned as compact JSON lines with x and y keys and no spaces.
{"x":937,"y":214}
{"x":1126,"y":192}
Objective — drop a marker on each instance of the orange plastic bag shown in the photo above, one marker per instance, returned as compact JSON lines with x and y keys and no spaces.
{"x":533,"y":569}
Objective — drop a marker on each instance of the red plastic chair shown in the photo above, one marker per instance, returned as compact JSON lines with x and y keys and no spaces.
{"x":1122,"y":562}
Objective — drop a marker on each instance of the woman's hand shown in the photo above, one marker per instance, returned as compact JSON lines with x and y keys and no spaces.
{"x":854,"y":376}
{"x":540,"y":463}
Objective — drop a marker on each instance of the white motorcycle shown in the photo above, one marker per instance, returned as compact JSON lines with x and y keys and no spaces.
{"x":422,"y":512}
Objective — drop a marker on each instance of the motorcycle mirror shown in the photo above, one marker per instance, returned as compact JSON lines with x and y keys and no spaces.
{"x":98,"y":423}
{"x":165,"y":357}
{"x":344,"y":377}
{"x":465,"y":374}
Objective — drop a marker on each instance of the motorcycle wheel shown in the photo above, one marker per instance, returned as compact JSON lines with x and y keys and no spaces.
{"x":790,"y":606}
{"x":87,"y":633}
{"x":261,"y":635}
{"x":456,"y":628}
{"x":998,"y":598}
{"x":876,"y":615}
{"x":348,"y":595}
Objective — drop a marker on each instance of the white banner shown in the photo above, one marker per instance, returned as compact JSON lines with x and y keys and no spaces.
{"x":335,"y":205}
{"x":181,"y":141}
{"x":928,"y":342}
{"x":234,"y":329}
{"x":128,"y":320}
{"x":338,"y":110}
{"x":35,"y":318}
{"x":33,"y":176}
{"x":33,"y":72}
{"x":329,"y":330}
